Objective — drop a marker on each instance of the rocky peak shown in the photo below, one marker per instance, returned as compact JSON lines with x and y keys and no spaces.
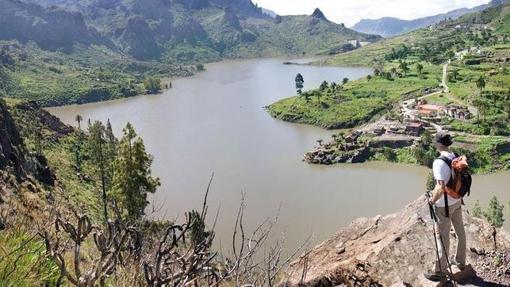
{"x":317,"y":13}
{"x":396,"y":248}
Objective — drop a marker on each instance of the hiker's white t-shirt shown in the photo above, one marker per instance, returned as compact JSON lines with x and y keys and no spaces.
{"x":443,"y":172}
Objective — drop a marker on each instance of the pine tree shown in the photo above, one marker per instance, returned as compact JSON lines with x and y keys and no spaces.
{"x":477,"y":210}
{"x":299,"y":83}
{"x":97,"y":148}
{"x":132,"y":178}
{"x":110,"y":153}
{"x":494,"y":213}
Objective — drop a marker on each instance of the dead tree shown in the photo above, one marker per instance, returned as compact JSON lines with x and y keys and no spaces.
{"x":107,"y":253}
{"x":183,"y":256}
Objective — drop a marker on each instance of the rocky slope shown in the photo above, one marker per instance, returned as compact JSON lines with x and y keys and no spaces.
{"x":174,"y":30}
{"x":397,"y":248}
{"x":51,"y":28}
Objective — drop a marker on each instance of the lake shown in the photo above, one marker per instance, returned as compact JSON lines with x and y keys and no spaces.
{"x":215,"y":122}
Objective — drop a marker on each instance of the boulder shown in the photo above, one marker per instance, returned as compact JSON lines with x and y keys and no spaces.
{"x":385,"y":250}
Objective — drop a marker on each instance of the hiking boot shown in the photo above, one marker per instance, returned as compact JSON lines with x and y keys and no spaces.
{"x":434,"y":276}
{"x":461,"y":266}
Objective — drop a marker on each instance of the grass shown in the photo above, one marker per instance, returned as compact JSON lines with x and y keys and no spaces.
{"x":357,"y":102}
{"x":23,"y":261}
{"x":59,"y":151}
{"x":86,"y":75}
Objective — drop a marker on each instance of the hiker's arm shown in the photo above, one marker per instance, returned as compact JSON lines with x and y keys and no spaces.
{"x":438,"y":191}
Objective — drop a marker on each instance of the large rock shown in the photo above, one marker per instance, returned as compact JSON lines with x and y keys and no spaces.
{"x":12,"y":149}
{"x":383,"y":251}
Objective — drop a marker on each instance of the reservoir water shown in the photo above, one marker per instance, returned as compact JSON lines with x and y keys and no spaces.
{"x":215,"y":122}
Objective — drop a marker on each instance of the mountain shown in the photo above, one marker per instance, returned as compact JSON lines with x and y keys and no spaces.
{"x":181,"y":31}
{"x":474,"y":29}
{"x":51,"y":28}
{"x":389,"y":26}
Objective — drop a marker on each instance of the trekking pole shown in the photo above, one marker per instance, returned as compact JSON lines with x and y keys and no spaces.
{"x":446,"y":274}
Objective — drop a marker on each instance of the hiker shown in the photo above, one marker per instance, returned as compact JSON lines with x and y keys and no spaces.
{"x":448,"y":210}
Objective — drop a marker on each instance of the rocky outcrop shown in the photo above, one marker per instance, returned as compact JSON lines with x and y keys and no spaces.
{"x":317,"y":14}
{"x":48,"y":121}
{"x":396,"y":248}
{"x":51,"y":28}
{"x":12,"y":151}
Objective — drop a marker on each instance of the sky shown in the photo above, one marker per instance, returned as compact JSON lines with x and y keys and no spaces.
{"x":350,"y":12}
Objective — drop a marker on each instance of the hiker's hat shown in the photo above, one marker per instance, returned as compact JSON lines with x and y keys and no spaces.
{"x":443,"y":138}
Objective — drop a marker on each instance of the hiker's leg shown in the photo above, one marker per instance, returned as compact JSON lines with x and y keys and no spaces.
{"x":443,"y":234}
{"x":458,"y":225}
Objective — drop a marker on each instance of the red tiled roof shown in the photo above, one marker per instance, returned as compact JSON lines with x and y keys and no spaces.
{"x":430,"y":107}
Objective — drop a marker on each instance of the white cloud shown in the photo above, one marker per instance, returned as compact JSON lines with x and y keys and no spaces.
{"x":351,"y":11}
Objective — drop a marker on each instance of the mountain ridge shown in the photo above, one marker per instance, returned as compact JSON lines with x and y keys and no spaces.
{"x":392,"y":26}
{"x":186,"y":31}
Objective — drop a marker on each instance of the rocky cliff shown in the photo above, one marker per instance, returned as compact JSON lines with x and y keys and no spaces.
{"x":397,"y":249}
{"x":171,"y":30}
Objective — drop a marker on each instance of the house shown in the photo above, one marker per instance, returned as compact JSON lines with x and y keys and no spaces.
{"x":355,"y":43}
{"x":431,"y":110}
{"x":414,"y":129}
{"x":458,"y":112}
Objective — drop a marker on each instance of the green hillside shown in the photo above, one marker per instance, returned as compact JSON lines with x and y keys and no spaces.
{"x":449,"y":36}
{"x":67,"y":51}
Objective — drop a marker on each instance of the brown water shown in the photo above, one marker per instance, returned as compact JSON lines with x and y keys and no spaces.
{"x":215,"y":122}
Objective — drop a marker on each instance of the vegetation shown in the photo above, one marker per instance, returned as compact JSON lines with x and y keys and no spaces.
{"x":55,"y":233}
{"x":477,"y":210}
{"x":494,"y":213}
{"x":132,"y":179}
{"x":152,"y":85}
{"x":85,"y":75}
{"x":354,"y":102}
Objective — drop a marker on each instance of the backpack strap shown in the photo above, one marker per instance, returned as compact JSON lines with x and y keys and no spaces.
{"x":448,"y":162}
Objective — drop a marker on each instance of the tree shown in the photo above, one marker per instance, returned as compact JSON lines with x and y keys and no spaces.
{"x":477,"y":210}
{"x":507,"y":102}
{"x":494,"y":213}
{"x":419,"y":69}
{"x":369,"y":77}
{"x":425,"y":152}
{"x":404,"y":67}
{"x":455,"y":74}
{"x":299,"y":83}
{"x":480,"y":83}
{"x":110,"y":153}
{"x":483,"y":106}
{"x":323,"y":86}
{"x":393,"y":71}
{"x":132,"y":179}
{"x":345,"y":81}
{"x":389,"y":154}
{"x":318,"y":94}
{"x":78,"y":119}
{"x":78,"y":143}
{"x":377,"y":72}
{"x":152,"y":85}
{"x":96,"y":146}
